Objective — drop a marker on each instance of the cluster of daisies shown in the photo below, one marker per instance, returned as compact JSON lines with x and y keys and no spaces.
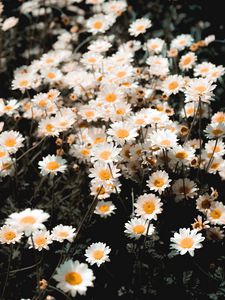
{"x":113,"y":113}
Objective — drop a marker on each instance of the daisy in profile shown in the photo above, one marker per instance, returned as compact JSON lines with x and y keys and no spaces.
{"x":199,"y":88}
{"x":155,"y":45}
{"x":199,"y":224}
{"x":105,"y":152}
{"x":105,"y":209}
{"x":139,"y":26}
{"x":10,"y":235}
{"x":158,"y":181}
{"x":40,"y":240}
{"x":216,"y":214}
{"x":11,"y":141}
{"x":74,"y":277}
{"x":4,"y":154}
{"x":97,"y":253}
{"x":218,"y":117}
{"x":215,"y":130}
{"x":28,"y":220}
{"x":186,"y":241}
{"x":52,"y":164}
{"x":99,"y":46}
{"x":173,"y":84}
{"x":163,"y":138}
{"x":60,"y":233}
{"x":122,"y":132}
{"x":187,"y":61}
{"x":137,"y":227}
{"x":104,"y":173}
{"x":7,"y":167}
{"x":148,"y":206}
{"x":181,"y":41}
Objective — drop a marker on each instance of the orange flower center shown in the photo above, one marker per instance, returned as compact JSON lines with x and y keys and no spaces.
{"x":104,"y":208}
{"x":187,"y":243}
{"x":159,"y":182}
{"x":98,"y":24}
{"x":73,"y":278}
{"x":216,"y":213}
{"x":217,"y":131}
{"x":149,"y":207}
{"x":181,"y":155}
{"x":104,"y":174}
{"x":24,"y":83}
{"x":139,"y":229}
{"x":53,"y":165}
{"x":98,"y":254}
{"x":111,"y":97}
{"x":29,"y":220}
{"x":105,"y":155}
{"x":51,"y":75}
{"x":63,"y":234}
{"x":186,"y":61}
{"x":85,"y":152}
{"x":173,"y":85}
{"x":166,"y":143}
{"x":9,"y":235}
{"x":40,"y":241}
{"x":201,"y":89}
{"x":122,"y":133}
{"x":10,"y":142}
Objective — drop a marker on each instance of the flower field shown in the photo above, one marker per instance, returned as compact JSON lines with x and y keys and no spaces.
{"x":112,"y":126}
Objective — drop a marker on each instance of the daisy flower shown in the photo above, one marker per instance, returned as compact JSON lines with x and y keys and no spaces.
{"x":158,"y":181}
{"x":204,"y":203}
{"x":99,"y":23}
{"x":159,"y":65}
{"x":139,"y":26}
{"x":52,"y":164}
{"x":183,"y":153}
{"x":4,"y":154}
{"x":105,"y":152}
{"x":215,"y":130}
{"x":10,"y":235}
{"x":155,"y":45}
{"x":199,"y":224}
{"x":173,"y":84}
{"x":105,"y":209}
{"x":40,"y":240}
{"x":184,"y":188}
{"x":7,"y":167}
{"x":74,"y":277}
{"x":97,"y":253}
{"x":216,"y":73}
{"x":215,"y":234}
{"x":203,"y":69}
{"x":11,"y":141}
{"x":22,"y":82}
{"x":104,"y":173}
{"x":186,"y":241}
{"x":99,"y":46}
{"x":181,"y":41}
{"x":28,"y":220}
{"x":91,"y":59}
{"x":216,"y":214}
{"x":218,"y":117}
{"x":122,"y":132}
{"x":60,"y":233}
{"x":47,"y":127}
{"x":110,"y":94}
{"x":163,"y":138}
{"x":114,"y":7}
{"x":199,"y":88}
{"x":51,"y":75}
{"x":187,"y":61}
{"x":9,"y":107}
{"x":137,"y":227}
{"x":148,"y":206}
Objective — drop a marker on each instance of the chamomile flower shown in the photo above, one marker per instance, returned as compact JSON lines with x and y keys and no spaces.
{"x":10,"y":235}
{"x":105,"y":152}
{"x":122,"y":132}
{"x":163,"y":138}
{"x":28,"y":220}
{"x":158,"y":181}
{"x":204,"y":203}
{"x":60,"y":233}
{"x":99,"y":23}
{"x":215,"y":130}
{"x":186,"y":241}
{"x":148,"y":206}
{"x":139,"y":26}
{"x":9,"y":107}
{"x":187,"y":61}
{"x":203,"y":69}
{"x":199,"y":88}
{"x":199,"y":224}
{"x":155,"y":45}
{"x":216,"y":214}
{"x":104,"y":173}
{"x":137,"y":227}
{"x":74,"y":277}
{"x":52,"y":164}
{"x":11,"y":141}
{"x":51,"y":75}
{"x":97,"y":253}
{"x":159,"y":65}
{"x":173,"y":84}
{"x":4,"y":154}
{"x":182,"y":41}
{"x":48,"y":127}
{"x":184,"y":188}
{"x":40,"y":240}
{"x":105,"y":209}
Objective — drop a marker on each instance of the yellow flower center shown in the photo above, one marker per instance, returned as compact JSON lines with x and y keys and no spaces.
{"x":42,"y":103}
{"x":51,"y":75}
{"x":98,"y":24}
{"x":181,"y":155}
{"x":122,"y":133}
{"x":216,"y":213}
{"x":159,"y":182}
{"x":201,"y":89}
{"x":166,"y":143}
{"x":121,"y":74}
{"x":98,"y":254}
{"x":92,"y":60}
{"x":139,"y":229}
{"x":99,"y":140}
{"x":23,"y":83}
{"x":8,"y":107}
{"x":53,"y":165}
{"x":49,"y":60}
{"x":154,"y":46}
{"x":63,"y":234}
{"x":111,"y":97}
{"x":49,"y":128}
{"x":140,"y":121}
{"x":2,"y":153}
{"x":217,"y":131}
{"x":104,"y":174}
{"x":29,"y":220}
{"x":40,"y":241}
{"x":100,"y":190}
{"x":85,"y":152}
{"x":220,"y":119}
{"x":105,"y":155}
{"x":140,"y":27}
{"x":187,"y":243}
{"x":120,"y":111}
{"x":89,"y":114}
{"x":186,"y":61}
{"x":104,"y":208}
{"x":73,"y":278}
{"x":149,"y":207}
{"x":9,"y":235}
{"x":173,"y":85}
{"x":10,"y":142}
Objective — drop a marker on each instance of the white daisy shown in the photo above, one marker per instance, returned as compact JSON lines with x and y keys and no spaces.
{"x":10,"y":235}
{"x":122,"y":132}
{"x":137,"y":227}
{"x":158,"y":181}
{"x":60,"y":233}
{"x":97,"y":253}
{"x":148,"y":206}
{"x":139,"y":26}
{"x":52,"y":164}
{"x":105,"y":209}
{"x":11,"y":140}
{"x":105,"y":152}
{"x":40,"y":240}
